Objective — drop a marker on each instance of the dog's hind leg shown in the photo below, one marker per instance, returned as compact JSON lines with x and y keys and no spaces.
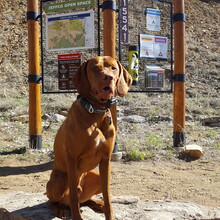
{"x":58,"y":193}
{"x":57,"y":186}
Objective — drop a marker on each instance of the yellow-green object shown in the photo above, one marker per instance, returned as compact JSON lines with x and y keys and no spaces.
{"x":133,"y":63}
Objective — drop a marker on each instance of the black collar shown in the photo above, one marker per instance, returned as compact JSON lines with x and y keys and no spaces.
{"x":109,"y":104}
{"x":90,"y":108}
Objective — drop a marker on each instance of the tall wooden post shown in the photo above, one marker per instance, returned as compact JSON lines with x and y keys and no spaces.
{"x":109,"y":17}
{"x":35,"y":122}
{"x":179,"y":74}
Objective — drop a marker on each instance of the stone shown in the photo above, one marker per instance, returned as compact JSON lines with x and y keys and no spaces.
{"x":5,"y":215}
{"x":193,"y":151}
{"x":211,"y":121}
{"x":64,"y":113}
{"x":58,"y":117}
{"x":116,"y":156}
{"x":53,"y":117}
{"x":135,"y":119}
{"x":27,"y":206}
{"x":46,"y":117}
{"x":22,"y":118}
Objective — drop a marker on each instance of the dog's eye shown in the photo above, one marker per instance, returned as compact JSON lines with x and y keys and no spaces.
{"x":114,"y":68}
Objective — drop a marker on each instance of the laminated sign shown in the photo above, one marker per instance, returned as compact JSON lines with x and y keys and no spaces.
{"x":153,"y":47}
{"x":68,"y":64}
{"x":70,"y":31}
{"x":153,"y":19}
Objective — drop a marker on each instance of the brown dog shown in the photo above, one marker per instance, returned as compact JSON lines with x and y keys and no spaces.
{"x":86,"y":138}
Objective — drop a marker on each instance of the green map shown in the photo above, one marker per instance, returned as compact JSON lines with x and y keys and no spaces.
{"x":66,"y":34}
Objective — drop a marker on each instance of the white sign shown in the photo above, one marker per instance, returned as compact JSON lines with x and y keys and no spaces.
{"x":70,"y":31}
{"x":153,"y":19}
{"x":153,"y":46}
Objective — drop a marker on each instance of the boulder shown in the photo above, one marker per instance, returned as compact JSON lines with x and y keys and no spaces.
{"x":211,"y":121}
{"x":193,"y":151}
{"x":35,"y":206}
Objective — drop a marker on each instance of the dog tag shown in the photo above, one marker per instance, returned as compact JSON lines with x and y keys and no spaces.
{"x":109,"y":117}
{"x":110,"y":120}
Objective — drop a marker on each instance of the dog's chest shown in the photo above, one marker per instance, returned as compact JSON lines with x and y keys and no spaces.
{"x":100,"y":145}
{"x":98,"y":142}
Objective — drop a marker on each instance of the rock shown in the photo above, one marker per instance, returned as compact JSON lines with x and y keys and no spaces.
{"x":159,"y":118}
{"x":126,"y":199}
{"x":22,"y":118}
{"x":64,"y":113}
{"x":211,"y":121}
{"x":116,"y":156}
{"x":193,"y":151}
{"x":35,"y":206}
{"x":5,"y":215}
{"x":53,"y":117}
{"x":134,"y":119}
{"x":189,"y":118}
{"x":58,"y":117}
{"x":46,"y":117}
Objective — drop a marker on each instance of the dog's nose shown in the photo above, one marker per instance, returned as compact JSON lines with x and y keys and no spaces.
{"x":107,"y":77}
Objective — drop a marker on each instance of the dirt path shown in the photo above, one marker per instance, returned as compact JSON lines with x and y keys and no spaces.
{"x":197,"y":182}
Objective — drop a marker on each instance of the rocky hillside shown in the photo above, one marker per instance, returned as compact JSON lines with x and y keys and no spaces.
{"x":203,"y":46}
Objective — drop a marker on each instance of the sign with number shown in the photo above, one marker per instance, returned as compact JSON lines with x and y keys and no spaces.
{"x":124,"y":20}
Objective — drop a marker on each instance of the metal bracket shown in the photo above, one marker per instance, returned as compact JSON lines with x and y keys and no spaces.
{"x":179,"y":17}
{"x":109,"y":5}
{"x":33,"y":15}
{"x":179,"y":77}
{"x":179,"y":139}
{"x":34,"y":78}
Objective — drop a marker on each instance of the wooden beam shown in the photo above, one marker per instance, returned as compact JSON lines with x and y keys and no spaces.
{"x":109,"y":36}
{"x":35,"y":122}
{"x":179,"y":74}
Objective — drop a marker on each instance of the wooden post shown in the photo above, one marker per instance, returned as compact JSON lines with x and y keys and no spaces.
{"x":35,"y":122}
{"x":179,"y":74}
{"x":109,"y":17}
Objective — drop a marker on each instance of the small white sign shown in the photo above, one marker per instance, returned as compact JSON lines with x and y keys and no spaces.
{"x":153,"y":19}
{"x":155,"y":47}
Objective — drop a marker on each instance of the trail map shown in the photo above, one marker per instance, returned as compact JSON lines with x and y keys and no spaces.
{"x":70,"y":31}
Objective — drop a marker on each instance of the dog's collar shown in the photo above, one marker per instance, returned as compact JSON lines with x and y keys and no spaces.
{"x":109,"y":104}
{"x":90,"y":108}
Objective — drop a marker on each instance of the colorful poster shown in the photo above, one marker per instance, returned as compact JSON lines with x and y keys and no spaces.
{"x":70,"y":31}
{"x":153,"y":19}
{"x":68,"y":64}
{"x":155,"y":47}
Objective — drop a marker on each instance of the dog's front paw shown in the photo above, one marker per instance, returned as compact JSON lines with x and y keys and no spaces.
{"x":59,"y":210}
{"x":93,"y":204}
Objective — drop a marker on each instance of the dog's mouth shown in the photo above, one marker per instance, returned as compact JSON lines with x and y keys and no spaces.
{"x":106,"y":93}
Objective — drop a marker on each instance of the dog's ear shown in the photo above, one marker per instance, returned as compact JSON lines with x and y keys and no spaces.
{"x":124,"y":81}
{"x":80,"y":80}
